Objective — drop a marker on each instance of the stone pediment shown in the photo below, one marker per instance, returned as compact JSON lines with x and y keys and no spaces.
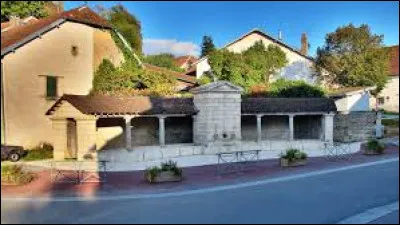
{"x":219,"y":86}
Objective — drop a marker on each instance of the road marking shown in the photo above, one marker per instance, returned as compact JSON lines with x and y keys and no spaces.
{"x":201,"y":191}
{"x":371,"y":214}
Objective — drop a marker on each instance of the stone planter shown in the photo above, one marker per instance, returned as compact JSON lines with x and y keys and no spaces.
{"x":294,"y":163}
{"x":372,"y":152}
{"x":164,"y":176}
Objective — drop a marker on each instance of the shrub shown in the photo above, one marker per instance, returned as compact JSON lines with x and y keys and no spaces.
{"x":41,"y":152}
{"x":294,"y":89}
{"x":375,"y":145}
{"x":390,"y":122}
{"x":16,"y":174}
{"x":294,"y":154}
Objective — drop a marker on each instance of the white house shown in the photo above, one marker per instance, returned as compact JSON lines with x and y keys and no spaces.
{"x":300,"y":65}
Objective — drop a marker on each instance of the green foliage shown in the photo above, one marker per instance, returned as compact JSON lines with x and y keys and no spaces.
{"x":207,"y":46}
{"x":390,"y":122}
{"x":122,"y":81}
{"x":127,"y":24}
{"x":294,"y":89}
{"x":22,"y":9}
{"x":16,"y":174}
{"x":165,"y":60}
{"x":375,"y":145}
{"x":252,"y":67}
{"x":152,"y":173}
{"x":205,"y":79}
{"x":294,"y":154}
{"x":41,"y":152}
{"x":355,"y":57}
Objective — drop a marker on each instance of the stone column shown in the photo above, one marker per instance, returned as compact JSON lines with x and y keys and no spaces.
{"x":60,"y":138}
{"x":128,"y":133}
{"x":259,"y":124}
{"x":86,"y":134}
{"x":328,"y":127}
{"x":322,"y":134}
{"x":161,"y":130}
{"x":291,"y":127}
{"x":379,"y":128}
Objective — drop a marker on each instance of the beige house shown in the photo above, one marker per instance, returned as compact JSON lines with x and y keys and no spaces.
{"x":300,"y":66}
{"x":389,"y":97}
{"x":44,"y":59}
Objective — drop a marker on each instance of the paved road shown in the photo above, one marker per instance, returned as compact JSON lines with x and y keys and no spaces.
{"x":326,"y":198}
{"x":392,"y":218}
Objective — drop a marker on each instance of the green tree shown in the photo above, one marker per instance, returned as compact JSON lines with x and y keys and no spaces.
{"x":22,"y":9}
{"x":127,"y":24}
{"x":252,"y":67}
{"x":354,"y":57}
{"x":165,"y":60}
{"x":207,"y":46}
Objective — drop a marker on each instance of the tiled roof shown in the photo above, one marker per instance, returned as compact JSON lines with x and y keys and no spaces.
{"x":141,"y":105}
{"x":180,"y":76}
{"x":394,"y":60}
{"x":20,"y":35}
{"x":287,"y":105}
{"x":179,"y":61}
{"x":340,"y":92}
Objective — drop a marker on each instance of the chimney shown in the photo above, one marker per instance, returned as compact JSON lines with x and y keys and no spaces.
{"x":15,"y":21}
{"x":280,"y":35}
{"x":304,"y":44}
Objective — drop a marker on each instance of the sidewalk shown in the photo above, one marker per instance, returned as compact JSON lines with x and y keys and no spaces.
{"x":194,"y":178}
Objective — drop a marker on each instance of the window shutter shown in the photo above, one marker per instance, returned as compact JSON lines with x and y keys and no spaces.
{"x":51,"y":86}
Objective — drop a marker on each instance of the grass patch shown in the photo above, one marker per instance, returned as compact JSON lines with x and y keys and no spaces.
{"x":15,"y":174}
{"x":45,"y":151}
{"x":390,"y":122}
{"x":390,"y":113}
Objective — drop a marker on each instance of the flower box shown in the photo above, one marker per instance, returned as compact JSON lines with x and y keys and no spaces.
{"x":372,"y":152}
{"x":164,"y":176}
{"x":293,"y":163}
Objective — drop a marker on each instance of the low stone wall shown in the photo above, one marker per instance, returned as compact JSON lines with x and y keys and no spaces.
{"x":355,"y":126}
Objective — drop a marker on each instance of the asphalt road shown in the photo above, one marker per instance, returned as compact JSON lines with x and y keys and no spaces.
{"x":326,"y":198}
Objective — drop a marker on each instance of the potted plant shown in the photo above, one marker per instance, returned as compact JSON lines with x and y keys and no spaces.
{"x":374,"y":147}
{"x":168,"y":172}
{"x":15,"y":175}
{"x":293,"y":157}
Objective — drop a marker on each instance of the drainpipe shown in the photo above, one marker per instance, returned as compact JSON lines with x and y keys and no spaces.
{"x":129,"y":47}
{"x":3,"y":116}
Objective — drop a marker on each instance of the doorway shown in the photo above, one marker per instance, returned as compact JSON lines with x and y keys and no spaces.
{"x":71,"y":140}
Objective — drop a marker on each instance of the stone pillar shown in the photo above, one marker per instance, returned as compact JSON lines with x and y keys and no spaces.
{"x":161,"y":130}
{"x":128,"y":133}
{"x":291,"y":127}
{"x":259,"y":124}
{"x":322,"y":134}
{"x":328,"y":127}
{"x":60,"y":138}
{"x":379,"y":129}
{"x":86,"y":134}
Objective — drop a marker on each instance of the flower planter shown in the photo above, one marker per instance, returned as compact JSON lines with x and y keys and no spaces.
{"x":294,"y":163}
{"x":163,"y":177}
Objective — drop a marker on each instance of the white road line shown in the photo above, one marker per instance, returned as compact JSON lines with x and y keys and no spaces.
{"x":371,"y":214}
{"x":202,"y":191}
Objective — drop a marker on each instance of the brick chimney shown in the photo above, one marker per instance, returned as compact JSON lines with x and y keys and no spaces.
{"x":304,"y":44}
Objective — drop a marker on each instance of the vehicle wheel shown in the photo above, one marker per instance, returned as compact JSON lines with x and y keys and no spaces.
{"x":14,"y":157}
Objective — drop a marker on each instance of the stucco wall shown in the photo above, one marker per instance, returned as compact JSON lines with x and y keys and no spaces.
{"x":356,"y":126}
{"x":297,"y":68}
{"x":105,"y":48}
{"x":391,"y":95}
{"x":354,"y":102}
{"x":25,"y":85}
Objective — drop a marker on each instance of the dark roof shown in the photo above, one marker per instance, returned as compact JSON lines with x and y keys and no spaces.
{"x":22,"y":34}
{"x":287,"y":105}
{"x":140,"y":105}
{"x":180,"y":76}
{"x":394,"y":60}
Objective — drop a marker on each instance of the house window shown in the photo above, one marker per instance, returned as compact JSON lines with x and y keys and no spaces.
{"x":381,"y":101}
{"x":51,"y":87}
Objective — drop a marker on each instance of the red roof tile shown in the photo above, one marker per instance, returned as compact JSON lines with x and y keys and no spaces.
{"x":394,"y":60}
{"x":179,"y":61}
{"x":179,"y":76}
{"x":83,"y":15}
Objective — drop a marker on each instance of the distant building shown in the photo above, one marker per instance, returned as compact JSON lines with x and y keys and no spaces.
{"x":185,"y":62}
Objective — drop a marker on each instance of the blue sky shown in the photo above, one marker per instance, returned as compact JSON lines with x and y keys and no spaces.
{"x":178,"y":27}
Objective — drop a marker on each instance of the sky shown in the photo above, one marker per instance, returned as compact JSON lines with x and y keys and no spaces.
{"x":178,"y":27}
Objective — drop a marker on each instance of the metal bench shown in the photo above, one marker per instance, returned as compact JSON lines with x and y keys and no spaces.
{"x":78,"y":171}
{"x":237,"y":161}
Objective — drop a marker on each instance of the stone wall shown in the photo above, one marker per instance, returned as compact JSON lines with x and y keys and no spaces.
{"x":356,"y":126}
